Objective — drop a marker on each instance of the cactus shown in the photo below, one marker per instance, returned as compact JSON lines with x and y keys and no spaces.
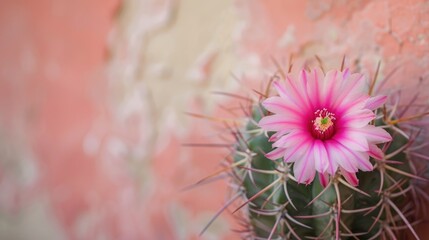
{"x":280,"y":208}
{"x":380,"y":203}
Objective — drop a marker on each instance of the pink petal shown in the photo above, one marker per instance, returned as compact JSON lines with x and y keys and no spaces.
{"x":298,"y":92}
{"x":324,"y":179}
{"x":372,"y":134}
{"x":351,"y":89}
{"x":303,"y":168}
{"x":352,"y":139}
{"x":303,"y":77}
{"x":350,"y":106}
{"x":361,"y":158}
{"x":356,"y":119}
{"x":314,"y":83}
{"x":291,"y":93}
{"x":275,"y":154}
{"x":281,"y":90}
{"x":346,"y":74}
{"x":365,"y":165}
{"x":331,"y":82}
{"x":280,"y":122}
{"x":320,"y":156}
{"x":293,"y":154}
{"x":276,"y":136}
{"x":350,"y":177}
{"x":332,"y":156}
{"x":292,"y":139}
{"x":375,"y":102}
{"x":280,"y":105}
{"x":340,"y":155}
{"x":375,"y":152}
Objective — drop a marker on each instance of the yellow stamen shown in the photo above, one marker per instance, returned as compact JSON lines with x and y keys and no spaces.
{"x":322,"y":124}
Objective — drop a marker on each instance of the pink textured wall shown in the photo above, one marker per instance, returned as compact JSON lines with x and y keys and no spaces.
{"x":92,"y":96}
{"x":52,"y":57}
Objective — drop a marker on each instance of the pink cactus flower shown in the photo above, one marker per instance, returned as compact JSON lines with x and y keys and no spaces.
{"x":322,"y":123}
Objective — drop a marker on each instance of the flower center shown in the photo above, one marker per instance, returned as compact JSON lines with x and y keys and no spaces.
{"x":323,"y":124}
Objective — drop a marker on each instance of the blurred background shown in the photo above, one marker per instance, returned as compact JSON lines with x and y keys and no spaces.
{"x":93,"y":96}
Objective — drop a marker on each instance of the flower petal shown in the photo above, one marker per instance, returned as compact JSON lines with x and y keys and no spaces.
{"x":324,"y":179}
{"x":275,"y":154}
{"x":303,"y":169}
{"x":350,"y":177}
{"x":294,"y":138}
{"x":351,"y":106}
{"x":372,"y":133}
{"x":346,"y":74}
{"x":279,"y":123}
{"x":375,"y":102}
{"x":375,"y":152}
{"x":276,"y":136}
{"x":361,"y":158}
{"x":340,"y":155}
{"x":295,"y":153}
{"x":352,"y":88}
{"x":352,"y":139}
{"x":331,"y":83}
{"x":356,"y":119}
{"x":292,"y":92}
{"x":333,"y":156}
{"x":314,"y":86}
{"x":320,"y":156}
{"x":279,"y":105}
{"x":297,"y":90}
